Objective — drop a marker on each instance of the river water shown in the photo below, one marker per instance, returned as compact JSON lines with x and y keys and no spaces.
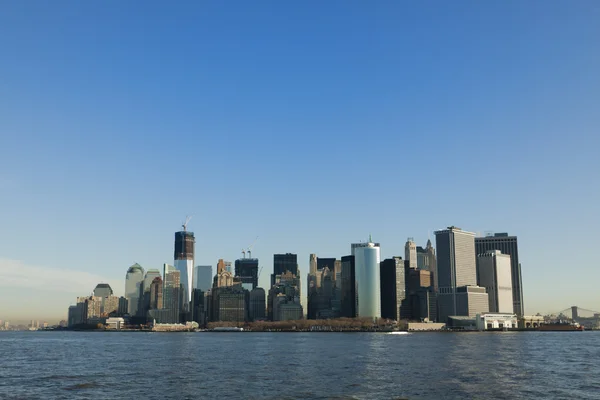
{"x":105,"y":365}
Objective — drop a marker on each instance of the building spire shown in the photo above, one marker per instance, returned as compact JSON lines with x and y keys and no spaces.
{"x":370,"y":240}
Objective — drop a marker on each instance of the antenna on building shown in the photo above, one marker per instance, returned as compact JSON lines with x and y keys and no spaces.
{"x":185,"y":224}
{"x":370,"y":240}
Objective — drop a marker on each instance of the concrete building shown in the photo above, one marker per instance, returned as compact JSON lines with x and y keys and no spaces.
{"x":349,"y":300}
{"x":494,"y":274}
{"x":456,"y":267}
{"x":285,"y":290}
{"x":199,"y":307}
{"x":394,"y":298}
{"x":115,"y":323}
{"x":258,"y":306}
{"x":312,"y":262}
{"x":184,"y":263}
{"x":507,"y":245}
{"x":134,"y":286}
{"x":171,"y":310}
{"x":410,"y":253}
{"x":289,"y":312}
{"x":203,"y":277}
{"x":487,"y":321}
{"x":471,"y":300}
{"x":151,"y":274}
{"x":367,"y":259}
{"x":247,"y":270}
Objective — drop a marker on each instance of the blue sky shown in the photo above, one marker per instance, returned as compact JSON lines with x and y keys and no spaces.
{"x":308,"y":124}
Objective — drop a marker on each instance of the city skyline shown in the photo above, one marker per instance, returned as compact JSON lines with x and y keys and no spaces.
{"x":282,"y":121}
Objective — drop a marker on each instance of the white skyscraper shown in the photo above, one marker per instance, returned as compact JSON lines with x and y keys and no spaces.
{"x":367,"y":257}
{"x":494,"y":273}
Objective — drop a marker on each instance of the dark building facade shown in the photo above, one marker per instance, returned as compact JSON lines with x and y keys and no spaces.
{"x":394,"y":299}
{"x":247,"y":270}
{"x":258,"y":306}
{"x":184,"y":245}
{"x":198,"y":307}
{"x":507,"y":245}
{"x":349,"y":301}
{"x":283,"y":263}
{"x":323,"y":263}
{"x":230,"y":304}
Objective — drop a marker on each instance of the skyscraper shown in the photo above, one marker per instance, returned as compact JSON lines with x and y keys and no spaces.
{"x":103,"y":290}
{"x":410,"y":253}
{"x":151,"y":274}
{"x":348,"y":288}
{"x":507,"y":245}
{"x":257,"y":304}
{"x":156,"y":294}
{"x":426,"y":260}
{"x":283,"y":263}
{"x":184,"y":261}
{"x":247,"y":270}
{"x":494,"y":274}
{"x":203,"y":277}
{"x":367,"y":260}
{"x":394,"y":299}
{"x":134,"y":284}
{"x":456,"y":267}
{"x":171,"y":295}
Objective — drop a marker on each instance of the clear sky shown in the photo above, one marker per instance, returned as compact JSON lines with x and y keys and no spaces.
{"x":309,"y":124}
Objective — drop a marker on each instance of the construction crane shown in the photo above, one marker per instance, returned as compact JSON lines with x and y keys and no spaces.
{"x":249,"y":249}
{"x":185,"y":224}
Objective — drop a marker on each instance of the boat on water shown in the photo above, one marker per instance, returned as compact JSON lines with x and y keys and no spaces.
{"x":561,"y":326}
{"x":228,"y":329}
{"x":398,"y":333}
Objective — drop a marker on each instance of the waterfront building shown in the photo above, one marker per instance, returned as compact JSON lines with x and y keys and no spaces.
{"x":92,"y":309}
{"x":410,"y":253}
{"x":423,"y":304}
{"x":456,"y":267}
{"x":184,"y":263}
{"x":283,"y":263}
{"x":198,"y":306}
{"x":115,"y":323}
{"x":134,"y":285}
{"x":172,"y":297}
{"x":247,"y":270}
{"x":289,"y":312}
{"x":77,"y":315}
{"x":366,"y":259}
{"x":257,"y":308}
{"x":203,"y":277}
{"x":493,"y":320}
{"x":394,"y":298}
{"x":349,"y":300}
{"x":321,"y":295}
{"x":110,"y":305}
{"x":507,"y":245}
{"x":230,"y":304}
{"x":494,"y":274}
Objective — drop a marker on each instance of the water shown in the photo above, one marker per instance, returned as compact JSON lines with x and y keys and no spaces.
{"x":97,"y":365}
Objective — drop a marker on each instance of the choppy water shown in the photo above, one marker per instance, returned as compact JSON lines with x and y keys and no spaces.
{"x":88,"y":365}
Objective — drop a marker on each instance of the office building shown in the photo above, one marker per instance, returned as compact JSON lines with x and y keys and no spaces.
{"x":494,"y":274}
{"x":198,"y":306}
{"x":283,"y":263}
{"x":366,"y":259}
{"x":423,"y":303}
{"x":312,"y":262}
{"x":394,"y":298}
{"x":151,"y":274}
{"x":471,"y":300}
{"x":456,"y":267}
{"x":103,"y":290}
{"x":247,"y":270}
{"x":285,"y":290}
{"x":507,"y":245}
{"x":230,"y":304}
{"x":172,"y":297}
{"x":410,"y":253}
{"x":349,"y":300}
{"x":258,"y":306}
{"x":426,"y":260}
{"x":184,"y":262}
{"x":156,"y":294}
{"x":321,"y":296}
{"x":224,"y":277}
{"x":134,"y":286}
{"x":203,"y":277}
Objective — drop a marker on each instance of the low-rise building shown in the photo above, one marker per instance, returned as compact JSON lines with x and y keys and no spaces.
{"x":115,"y":323}
{"x":488,"y":321}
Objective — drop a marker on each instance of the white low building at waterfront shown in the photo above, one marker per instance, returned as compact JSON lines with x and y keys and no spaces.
{"x":496,"y":321}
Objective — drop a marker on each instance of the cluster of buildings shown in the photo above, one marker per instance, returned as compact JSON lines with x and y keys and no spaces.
{"x":461,"y":278}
